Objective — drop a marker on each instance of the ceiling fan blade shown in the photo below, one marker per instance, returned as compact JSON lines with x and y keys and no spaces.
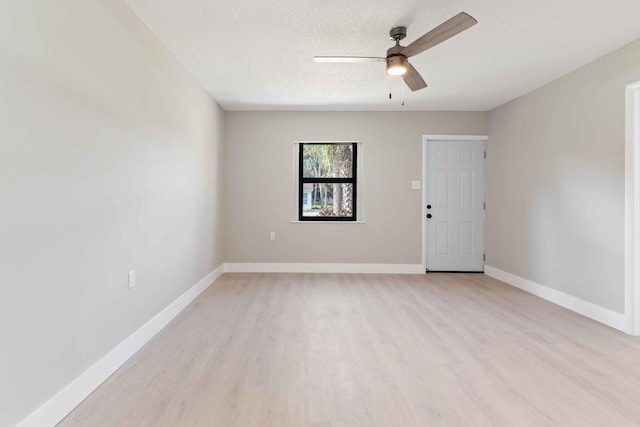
{"x":442,"y":32}
{"x":413,"y":79}
{"x":348,"y":59}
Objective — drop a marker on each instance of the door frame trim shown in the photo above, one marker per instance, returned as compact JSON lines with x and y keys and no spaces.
{"x":632,"y":208}
{"x":425,"y":140}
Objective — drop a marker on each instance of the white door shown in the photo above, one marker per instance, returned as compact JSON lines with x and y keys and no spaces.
{"x":455,"y":205}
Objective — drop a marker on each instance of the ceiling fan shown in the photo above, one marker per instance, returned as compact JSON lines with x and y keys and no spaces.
{"x":397,"y":56}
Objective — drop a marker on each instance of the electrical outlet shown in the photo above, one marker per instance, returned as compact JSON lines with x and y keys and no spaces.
{"x":415,"y":185}
{"x":272,"y":235}
{"x":132,"y":279}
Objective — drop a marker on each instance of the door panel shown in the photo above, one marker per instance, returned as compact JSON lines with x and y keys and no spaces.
{"x":466,"y":238}
{"x":442,"y":188}
{"x":466,"y":188}
{"x":442,"y":237}
{"x":455,"y":192}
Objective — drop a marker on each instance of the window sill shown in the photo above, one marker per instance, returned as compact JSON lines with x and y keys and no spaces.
{"x":326,"y":222}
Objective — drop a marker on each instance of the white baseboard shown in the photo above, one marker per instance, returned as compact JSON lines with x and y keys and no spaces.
{"x":600,"y":314}
{"x":323,"y":268}
{"x":56,"y":408}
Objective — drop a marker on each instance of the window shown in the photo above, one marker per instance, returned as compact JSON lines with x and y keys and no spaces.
{"x":327,"y":181}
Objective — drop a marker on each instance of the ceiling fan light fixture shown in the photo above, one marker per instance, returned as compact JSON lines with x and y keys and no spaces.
{"x":396,"y":65}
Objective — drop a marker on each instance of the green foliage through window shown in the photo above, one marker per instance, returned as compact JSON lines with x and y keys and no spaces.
{"x":328,"y":178}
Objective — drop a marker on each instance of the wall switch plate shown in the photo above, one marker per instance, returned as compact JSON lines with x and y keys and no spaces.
{"x":415,"y":185}
{"x":132,"y":279}
{"x":272,"y":235}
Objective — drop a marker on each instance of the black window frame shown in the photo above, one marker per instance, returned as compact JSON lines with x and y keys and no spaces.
{"x":353,"y":180}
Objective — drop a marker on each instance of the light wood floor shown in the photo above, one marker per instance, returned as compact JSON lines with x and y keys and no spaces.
{"x":373,"y":350}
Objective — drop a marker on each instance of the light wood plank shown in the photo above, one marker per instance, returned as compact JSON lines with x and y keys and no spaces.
{"x":372,"y":350}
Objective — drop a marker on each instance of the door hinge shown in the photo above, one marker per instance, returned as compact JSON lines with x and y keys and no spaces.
{"x":484,"y":206}
{"x":485,"y":154}
{"x":484,"y":257}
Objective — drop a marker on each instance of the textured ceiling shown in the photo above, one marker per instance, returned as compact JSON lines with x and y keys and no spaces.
{"x":258,"y":55}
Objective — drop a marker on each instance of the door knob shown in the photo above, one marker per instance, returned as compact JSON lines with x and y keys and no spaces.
{"x":428,"y":215}
{"x":428,"y":206}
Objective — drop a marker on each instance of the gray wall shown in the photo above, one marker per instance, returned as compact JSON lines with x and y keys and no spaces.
{"x":260,"y":195}
{"x":555,"y":182}
{"x":110,"y":160}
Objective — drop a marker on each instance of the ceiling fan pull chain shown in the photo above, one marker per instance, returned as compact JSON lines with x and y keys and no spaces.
{"x":402,"y":89}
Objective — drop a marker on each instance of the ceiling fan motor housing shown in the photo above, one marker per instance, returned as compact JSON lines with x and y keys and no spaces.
{"x":396,"y":61}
